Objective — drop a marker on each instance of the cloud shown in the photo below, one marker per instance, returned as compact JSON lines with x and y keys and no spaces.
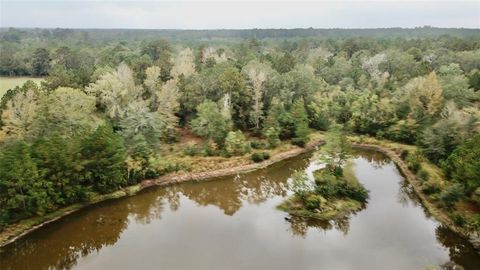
{"x":238,"y":15}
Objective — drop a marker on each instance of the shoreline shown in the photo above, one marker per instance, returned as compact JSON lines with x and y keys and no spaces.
{"x":24,"y":227}
{"x":411,"y":178}
{"x":16,"y":231}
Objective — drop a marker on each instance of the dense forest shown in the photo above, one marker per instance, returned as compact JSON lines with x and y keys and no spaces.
{"x":113,"y":100}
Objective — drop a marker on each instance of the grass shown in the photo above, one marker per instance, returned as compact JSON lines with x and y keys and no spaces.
{"x":7,"y":83}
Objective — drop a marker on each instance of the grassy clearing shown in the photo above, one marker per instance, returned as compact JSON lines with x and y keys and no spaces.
{"x":11,"y":82}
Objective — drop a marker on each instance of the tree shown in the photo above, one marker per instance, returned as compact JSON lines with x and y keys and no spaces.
{"x":68,"y":111}
{"x":139,"y":119}
{"x":183,"y":63}
{"x":20,"y":114}
{"x":299,"y":114}
{"x":301,"y":185}
{"x":104,"y":155}
{"x":41,"y":62}
{"x":22,"y":190}
{"x":210,"y":123}
{"x":336,"y":150}
{"x":115,"y":91}
{"x":160,"y":52}
{"x":453,"y":128}
{"x":425,"y":96}
{"x":463,"y":165}
{"x":285,"y":63}
{"x":455,"y":85}
{"x":257,"y":75}
{"x":236,"y":144}
{"x":57,"y":160}
{"x":271,"y":129}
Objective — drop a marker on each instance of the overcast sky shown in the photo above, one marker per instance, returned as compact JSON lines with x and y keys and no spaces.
{"x":238,"y":14}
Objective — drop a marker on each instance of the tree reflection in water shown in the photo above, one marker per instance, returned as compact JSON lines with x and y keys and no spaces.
{"x":300,"y":226}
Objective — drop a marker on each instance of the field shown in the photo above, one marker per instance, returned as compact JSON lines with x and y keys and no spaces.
{"x":10,"y":82}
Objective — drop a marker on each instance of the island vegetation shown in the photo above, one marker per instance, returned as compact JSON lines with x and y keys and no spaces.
{"x":120,"y":106}
{"x":335,"y":192}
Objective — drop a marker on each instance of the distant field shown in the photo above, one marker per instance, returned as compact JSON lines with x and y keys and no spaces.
{"x":10,"y":82}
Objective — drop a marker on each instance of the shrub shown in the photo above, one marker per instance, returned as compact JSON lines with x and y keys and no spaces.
{"x":313,"y":201}
{"x":458,"y":219}
{"x":191,"y":150}
{"x":163,"y":166}
{"x":430,"y":187}
{"x":260,"y":156}
{"x":300,"y":141}
{"x":404,"y":154}
{"x":414,"y":161}
{"x":452,"y":194}
{"x":258,"y":145}
{"x":331,"y":186}
{"x":423,"y":175}
{"x":272,"y":137}
{"x":236,"y":143}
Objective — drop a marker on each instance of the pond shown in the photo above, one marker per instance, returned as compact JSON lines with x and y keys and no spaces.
{"x":232,"y":223}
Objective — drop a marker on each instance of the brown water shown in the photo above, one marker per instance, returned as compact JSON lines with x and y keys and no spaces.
{"x":232,"y":223}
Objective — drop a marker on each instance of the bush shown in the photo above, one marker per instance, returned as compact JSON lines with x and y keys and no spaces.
{"x":191,"y":150}
{"x":423,"y":175}
{"x":272,"y":137}
{"x":404,"y":154}
{"x":260,"y":156}
{"x":258,"y":144}
{"x":430,"y":187}
{"x":163,"y":166}
{"x":414,"y":161}
{"x":236,"y":143}
{"x":452,"y":194}
{"x":331,"y":186}
{"x":313,"y":201}
{"x":458,"y":219}
{"x":300,"y":141}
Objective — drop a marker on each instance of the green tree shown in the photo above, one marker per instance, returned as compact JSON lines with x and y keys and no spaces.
{"x":299,"y":114}
{"x":41,"y":62}
{"x":336,"y":150}
{"x":104,"y":154}
{"x":210,"y":123}
{"x":463,"y":165}
{"x":236,"y":144}
{"x":115,"y":91}
{"x":23,"y":192}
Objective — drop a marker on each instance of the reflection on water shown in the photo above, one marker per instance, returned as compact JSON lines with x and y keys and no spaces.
{"x":232,"y":223}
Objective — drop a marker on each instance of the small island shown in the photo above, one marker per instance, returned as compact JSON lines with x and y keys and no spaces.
{"x":335,"y":193}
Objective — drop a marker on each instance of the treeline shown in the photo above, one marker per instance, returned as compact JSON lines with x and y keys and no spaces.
{"x":182,"y":35}
{"x":105,"y":109}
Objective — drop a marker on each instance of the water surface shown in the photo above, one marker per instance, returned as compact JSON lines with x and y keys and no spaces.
{"x":232,"y":223}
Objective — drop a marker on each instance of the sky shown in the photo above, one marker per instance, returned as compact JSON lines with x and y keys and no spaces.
{"x":238,"y":14}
